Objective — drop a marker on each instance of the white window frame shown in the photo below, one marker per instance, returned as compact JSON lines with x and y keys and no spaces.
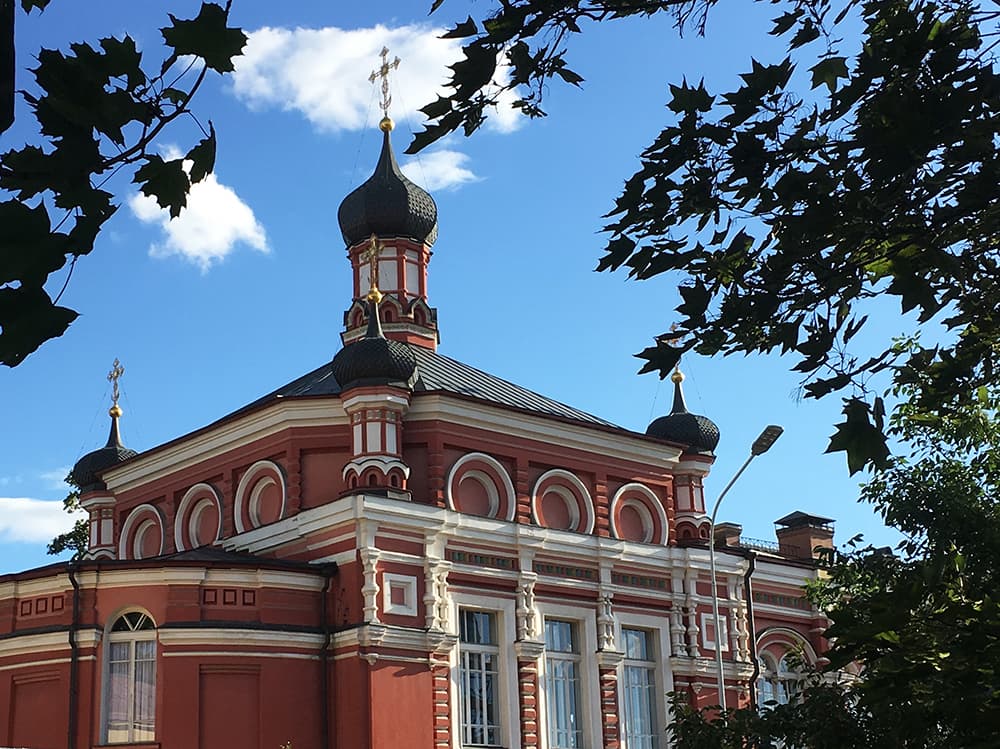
{"x":131,"y":637}
{"x":509,"y":699}
{"x":585,"y":620}
{"x":781,"y":680}
{"x":659,"y":629}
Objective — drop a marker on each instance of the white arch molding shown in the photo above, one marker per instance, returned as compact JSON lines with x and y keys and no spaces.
{"x":787,"y":637}
{"x":247,"y":482}
{"x":132,"y":523}
{"x":496,"y":465}
{"x":644,"y":511}
{"x":565,"y":477}
{"x":182,"y":510}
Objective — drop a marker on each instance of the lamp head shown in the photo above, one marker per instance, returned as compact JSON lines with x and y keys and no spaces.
{"x":767,"y":438}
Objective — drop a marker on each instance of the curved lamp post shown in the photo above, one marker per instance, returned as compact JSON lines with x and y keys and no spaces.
{"x":760,"y":446}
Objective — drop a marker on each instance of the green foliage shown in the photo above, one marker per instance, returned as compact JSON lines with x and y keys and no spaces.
{"x":99,"y":110}
{"x":842,"y":173}
{"x":924,"y":620}
{"x":77,"y":539}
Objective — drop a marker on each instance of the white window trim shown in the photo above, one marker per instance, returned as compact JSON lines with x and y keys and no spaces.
{"x":659,"y":626}
{"x":106,"y":640}
{"x":510,"y":722}
{"x":708,"y":620}
{"x":409,"y":608}
{"x":585,"y":618}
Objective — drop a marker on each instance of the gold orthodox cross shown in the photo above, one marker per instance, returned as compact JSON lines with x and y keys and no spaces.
{"x":383,"y":72}
{"x":372,"y":256}
{"x":117,"y":370}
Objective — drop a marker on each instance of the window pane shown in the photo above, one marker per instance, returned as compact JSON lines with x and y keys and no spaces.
{"x":639,"y":695}
{"x":130,"y":691}
{"x":477,"y":627}
{"x":636,"y":644}
{"x":562,"y":685}
{"x":479,"y":678}
{"x":560,"y":636}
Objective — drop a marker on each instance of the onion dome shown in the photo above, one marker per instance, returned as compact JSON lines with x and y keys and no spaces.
{"x":86,"y":472}
{"x":373,"y":359}
{"x":388,"y":204}
{"x":698,"y":432}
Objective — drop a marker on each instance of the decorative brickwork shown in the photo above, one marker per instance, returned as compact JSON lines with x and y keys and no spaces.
{"x":609,"y":708}
{"x":527,"y":680}
{"x":441,"y":697}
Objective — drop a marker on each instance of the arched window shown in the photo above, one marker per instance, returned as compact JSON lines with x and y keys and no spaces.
{"x":130,"y":682}
{"x":778,"y":683}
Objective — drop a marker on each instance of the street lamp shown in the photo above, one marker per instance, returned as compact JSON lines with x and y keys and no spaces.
{"x":760,"y":446}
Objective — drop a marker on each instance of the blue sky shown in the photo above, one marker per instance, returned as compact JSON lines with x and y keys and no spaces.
{"x":247,"y":290}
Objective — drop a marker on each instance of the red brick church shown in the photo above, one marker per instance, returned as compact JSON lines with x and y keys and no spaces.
{"x":399,"y":550}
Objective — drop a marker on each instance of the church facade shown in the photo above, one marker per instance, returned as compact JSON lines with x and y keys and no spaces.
{"x":399,"y":550}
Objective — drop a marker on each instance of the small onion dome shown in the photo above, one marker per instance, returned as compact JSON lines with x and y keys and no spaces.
{"x":699,"y":432}
{"x":388,"y":204}
{"x":85,"y":473}
{"x":374,"y":360}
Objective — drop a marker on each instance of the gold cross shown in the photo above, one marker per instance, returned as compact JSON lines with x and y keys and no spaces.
{"x":383,"y":73}
{"x":372,"y":256}
{"x":117,"y":370}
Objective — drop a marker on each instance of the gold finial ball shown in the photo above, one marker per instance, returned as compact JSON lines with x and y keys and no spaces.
{"x":115,"y":411}
{"x":386,"y":124}
{"x":677,"y":377}
{"x":374,"y":295}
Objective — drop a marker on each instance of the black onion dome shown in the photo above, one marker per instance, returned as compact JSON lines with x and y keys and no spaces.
{"x":85,"y":473}
{"x":699,"y":432}
{"x":374,"y":360}
{"x":388,"y":205}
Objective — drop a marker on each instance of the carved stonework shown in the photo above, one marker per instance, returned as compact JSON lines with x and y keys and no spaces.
{"x":437,"y":599}
{"x":605,"y":623}
{"x":527,"y":614}
{"x":369,"y":558}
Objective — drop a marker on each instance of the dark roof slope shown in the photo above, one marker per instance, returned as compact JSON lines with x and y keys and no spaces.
{"x":439,"y":373}
{"x":436,"y":373}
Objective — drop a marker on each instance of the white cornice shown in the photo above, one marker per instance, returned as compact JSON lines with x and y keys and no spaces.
{"x":593,"y":439}
{"x":238,"y":432}
{"x":44,"y":643}
{"x":235,"y":638}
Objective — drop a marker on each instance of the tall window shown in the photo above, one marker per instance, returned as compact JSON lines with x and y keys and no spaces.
{"x":130,"y":692}
{"x":640,"y":726}
{"x":480,"y":679}
{"x":778,"y":682}
{"x":562,"y":685}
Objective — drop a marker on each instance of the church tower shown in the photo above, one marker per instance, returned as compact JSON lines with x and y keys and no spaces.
{"x":402,"y":217}
{"x":95,"y":497}
{"x":701,"y":436}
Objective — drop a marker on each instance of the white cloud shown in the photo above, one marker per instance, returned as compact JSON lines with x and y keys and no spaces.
{"x":211,"y":226}
{"x":56,"y":478}
{"x":323,"y":73}
{"x":34,"y":520}
{"x":436,"y":170}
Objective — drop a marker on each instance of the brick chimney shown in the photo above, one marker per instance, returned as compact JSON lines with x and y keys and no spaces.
{"x":728,"y":534}
{"x":800,"y":533}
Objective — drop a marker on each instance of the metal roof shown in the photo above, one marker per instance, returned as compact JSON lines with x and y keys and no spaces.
{"x":439,"y":373}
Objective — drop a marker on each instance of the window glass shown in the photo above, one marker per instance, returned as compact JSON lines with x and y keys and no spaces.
{"x":562,"y":685}
{"x":130,"y":691}
{"x":778,"y":683}
{"x":479,"y":676}
{"x":640,"y":727}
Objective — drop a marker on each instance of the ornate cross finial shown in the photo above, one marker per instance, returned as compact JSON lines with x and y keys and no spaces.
{"x":673,"y":340}
{"x":383,"y":72}
{"x":117,"y":370}
{"x":372,"y":256}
